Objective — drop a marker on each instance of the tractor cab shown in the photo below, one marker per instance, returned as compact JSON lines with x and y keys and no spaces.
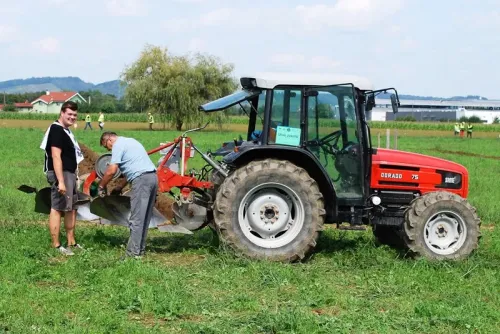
{"x":323,"y":119}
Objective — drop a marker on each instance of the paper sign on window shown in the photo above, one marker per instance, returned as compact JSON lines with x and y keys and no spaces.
{"x":287,"y":136}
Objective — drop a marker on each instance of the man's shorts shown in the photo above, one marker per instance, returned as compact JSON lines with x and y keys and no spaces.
{"x":63,"y":202}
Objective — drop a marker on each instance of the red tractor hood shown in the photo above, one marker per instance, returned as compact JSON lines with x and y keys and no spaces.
{"x":394,"y":157}
{"x":405,"y":171}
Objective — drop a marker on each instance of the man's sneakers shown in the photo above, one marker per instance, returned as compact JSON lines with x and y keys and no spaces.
{"x":126,"y":257}
{"x":76,"y":246}
{"x":65,"y":251}
{"x":68,"y":250}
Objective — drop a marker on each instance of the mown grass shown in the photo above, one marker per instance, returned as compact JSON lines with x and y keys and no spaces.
{"x":187,"y":284}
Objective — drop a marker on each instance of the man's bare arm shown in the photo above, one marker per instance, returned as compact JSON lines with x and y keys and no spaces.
{"x":108,"y":175}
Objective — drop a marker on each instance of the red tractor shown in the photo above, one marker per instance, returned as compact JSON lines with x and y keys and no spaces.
{"x":308,"y":161}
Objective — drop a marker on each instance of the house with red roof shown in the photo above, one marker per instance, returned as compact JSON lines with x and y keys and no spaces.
{"x":22,"y":106}
{"x":51,"y":102}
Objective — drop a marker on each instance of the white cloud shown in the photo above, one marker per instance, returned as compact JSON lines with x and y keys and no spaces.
{"x":190,"y":1}
{"x":478,"y":20}
{"x":324,"y":63}
{"x":288,"y":59}
{"x":409,"y":44}
{"x":218,"y":17}
{"x":126,"y":7}
{"x":7,"y":33}
{"x":178,"y":25}
{"x":347,"y":14}
{"x":395,"y":29}
{"x":48,"y":45}
{"x":344,"y":14}
{"x":57,"y":2}
{"x":293,"y":60}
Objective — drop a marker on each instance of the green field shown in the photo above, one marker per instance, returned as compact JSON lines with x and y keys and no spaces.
{"x":138,"y":118}
{"x":186,"y":284}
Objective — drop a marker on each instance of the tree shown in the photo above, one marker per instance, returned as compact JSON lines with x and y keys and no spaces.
{"x":9,"y":107}
{"x":174,"y":86}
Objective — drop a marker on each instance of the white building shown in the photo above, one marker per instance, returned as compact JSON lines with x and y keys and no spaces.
{"x":434,"y":110}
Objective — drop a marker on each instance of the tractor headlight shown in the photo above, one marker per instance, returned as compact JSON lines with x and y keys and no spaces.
{"x":450,"y":180}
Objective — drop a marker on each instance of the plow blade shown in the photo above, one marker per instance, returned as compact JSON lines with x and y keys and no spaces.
{"x":26,"y":189}
{"x":115,"y":210}
{"x":83,"y":213}
{"x":191,"y":216}
{"x":172,"y":228}
{"x":43,"y":199}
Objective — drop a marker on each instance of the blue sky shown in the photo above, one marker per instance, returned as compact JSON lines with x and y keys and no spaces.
{"x":421,"y":47}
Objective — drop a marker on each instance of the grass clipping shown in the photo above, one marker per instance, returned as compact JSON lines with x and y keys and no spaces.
{"x":163,"y":201}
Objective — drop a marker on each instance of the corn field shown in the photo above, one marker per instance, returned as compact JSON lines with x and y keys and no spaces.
{"x":141,"y":117}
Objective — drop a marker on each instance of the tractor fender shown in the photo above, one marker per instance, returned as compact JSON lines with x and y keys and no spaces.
{"x":297,"y":156}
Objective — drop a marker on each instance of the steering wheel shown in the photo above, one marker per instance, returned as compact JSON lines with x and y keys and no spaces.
{"x":331,"y":141}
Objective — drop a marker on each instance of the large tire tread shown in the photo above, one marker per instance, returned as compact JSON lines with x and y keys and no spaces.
{"x":417,"y":214}
{"x":253,"y":172}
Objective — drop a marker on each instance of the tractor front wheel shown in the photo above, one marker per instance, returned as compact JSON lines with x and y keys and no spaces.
{"x":441,"y":226}
{"x":270,"y":209}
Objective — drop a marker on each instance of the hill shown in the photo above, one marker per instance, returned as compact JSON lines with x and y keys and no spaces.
{"x":56,"y":84}
{"x":113,"y":87}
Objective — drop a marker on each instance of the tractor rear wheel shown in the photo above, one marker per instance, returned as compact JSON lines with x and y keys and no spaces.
{"x":441,"y":226}
{"x":270,"y":209}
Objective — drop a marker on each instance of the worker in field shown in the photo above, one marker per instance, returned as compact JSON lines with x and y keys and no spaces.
{"x":469,"y":130}
{"x":62,"y":156}
{"x":87,"y":122}
{"x":101,"y":121}
{"x":462,"y":129}
{"x":151,"y":121}
{"x":456,"y":129}
{"x":128,"y":155}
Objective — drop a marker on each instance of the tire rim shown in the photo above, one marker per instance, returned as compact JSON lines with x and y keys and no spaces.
{"x":271,"y":215}
{"x":445,"y":233}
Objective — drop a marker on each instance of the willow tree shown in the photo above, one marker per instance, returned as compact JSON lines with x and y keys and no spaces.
{"x":174,"y":86}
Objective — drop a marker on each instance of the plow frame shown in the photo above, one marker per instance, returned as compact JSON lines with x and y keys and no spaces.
{"x":167,"y":178}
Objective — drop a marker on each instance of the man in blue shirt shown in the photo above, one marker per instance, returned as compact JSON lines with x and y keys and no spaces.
{"x":128,"y":155}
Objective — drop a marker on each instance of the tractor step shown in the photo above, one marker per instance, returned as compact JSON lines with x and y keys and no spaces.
{"x":351,"y":228}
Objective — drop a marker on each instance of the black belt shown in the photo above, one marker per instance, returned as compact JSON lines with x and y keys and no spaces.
{"x":152,"y":171}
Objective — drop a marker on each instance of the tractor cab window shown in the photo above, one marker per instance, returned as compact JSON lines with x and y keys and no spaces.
{"x":285,"y":117}
{"x":332,"y":137}
{"x":254,"y":110}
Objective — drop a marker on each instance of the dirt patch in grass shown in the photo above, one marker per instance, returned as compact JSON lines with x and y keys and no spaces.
{"x":468,"y":154}
{"x":329,"y":311}
{"x":488,"y":227}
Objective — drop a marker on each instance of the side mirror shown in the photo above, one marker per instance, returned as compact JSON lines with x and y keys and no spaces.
{"x":395,"y":103}
{"x":370,"y":102}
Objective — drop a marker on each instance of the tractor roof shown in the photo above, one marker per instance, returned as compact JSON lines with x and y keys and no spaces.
{"x":271,"y":80}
